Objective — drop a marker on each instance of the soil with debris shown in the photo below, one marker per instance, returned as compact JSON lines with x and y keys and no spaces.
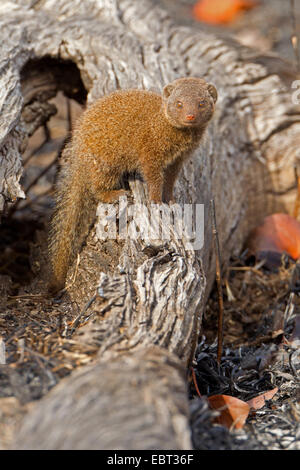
{"x":261,"y":352}
{"x":261,"y":307}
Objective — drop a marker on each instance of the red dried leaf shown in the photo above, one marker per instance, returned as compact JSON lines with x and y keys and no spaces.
{"x":258,"y":402}
{"x":279,"y":233}
{"x":233,"y":412}
{"x":220,"y":11}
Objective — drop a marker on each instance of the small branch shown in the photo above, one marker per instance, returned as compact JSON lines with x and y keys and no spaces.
{"x":218,"y":280}
{"x":195,"y":381}
{"x":76,"y":322}
{"x":43,"y":172}
{"x":39,"y":148}
{"x":297,"y":202}
{"x":74,"y":275}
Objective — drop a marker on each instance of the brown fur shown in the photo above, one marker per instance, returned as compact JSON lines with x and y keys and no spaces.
{"x":126,"y":131}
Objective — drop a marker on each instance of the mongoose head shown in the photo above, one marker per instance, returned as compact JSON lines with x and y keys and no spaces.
{"x":189,"y":102}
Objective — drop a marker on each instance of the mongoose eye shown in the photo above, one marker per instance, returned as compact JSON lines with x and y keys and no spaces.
{"x":201,"y":103}
{"x":179,"y":104}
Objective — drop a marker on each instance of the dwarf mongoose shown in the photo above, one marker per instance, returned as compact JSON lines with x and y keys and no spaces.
{"x":124,"y":132}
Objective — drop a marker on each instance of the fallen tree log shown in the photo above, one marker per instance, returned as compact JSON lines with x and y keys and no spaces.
{"x":150,"y":295}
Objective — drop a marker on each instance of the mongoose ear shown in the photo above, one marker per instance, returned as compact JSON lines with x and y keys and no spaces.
{"x":168,"y":90}
{"x":212,"y":91}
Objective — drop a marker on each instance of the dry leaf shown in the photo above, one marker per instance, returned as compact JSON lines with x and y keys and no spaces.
{"x":233,"y":412}
{"x":279,"y":233}
{"x":220,"y":11}
{"x":258,"y":402}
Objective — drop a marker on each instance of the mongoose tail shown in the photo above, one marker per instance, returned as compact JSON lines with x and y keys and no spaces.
{"x":70,"y":223}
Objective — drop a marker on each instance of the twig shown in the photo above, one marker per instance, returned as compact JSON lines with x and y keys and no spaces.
{"x":39,"y":148}
{"x":297,"y":201}
{"x":27,"y":296}
{"x":245,"y":268}
{"x":76,"y":322}
{"x":289,"y":310}
{"x":45,"y":170}
{"x":74,"y":275}
{"x":254,"y":269}
{"x":219,"y":282}
{"x":230,"y":295}
{"x":195,"y":381}
{"x":268,"y":338}
{"x":40,"y":359}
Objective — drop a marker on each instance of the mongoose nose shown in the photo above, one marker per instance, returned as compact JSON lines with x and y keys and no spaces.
{"x":190,"y":117}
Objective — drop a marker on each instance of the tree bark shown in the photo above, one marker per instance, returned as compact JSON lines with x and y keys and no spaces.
{"x":151,"y":295}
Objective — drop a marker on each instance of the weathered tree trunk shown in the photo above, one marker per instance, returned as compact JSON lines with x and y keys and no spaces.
{"x":151,"y":295}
